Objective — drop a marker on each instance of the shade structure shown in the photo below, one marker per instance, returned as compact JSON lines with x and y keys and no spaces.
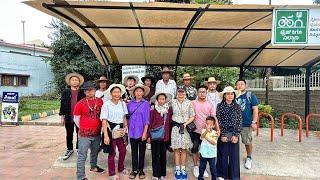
{"x":178,"y":34}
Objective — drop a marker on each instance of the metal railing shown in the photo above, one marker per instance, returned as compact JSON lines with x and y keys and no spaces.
{"x":293,"y":82}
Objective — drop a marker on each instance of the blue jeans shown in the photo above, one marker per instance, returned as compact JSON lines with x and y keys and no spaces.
{"x":202,"y":167}
{"x":84,"y":144}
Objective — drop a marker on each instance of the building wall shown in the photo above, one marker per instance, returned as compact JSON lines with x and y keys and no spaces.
{"x":27,"y":62}
{"x":291,"y":101}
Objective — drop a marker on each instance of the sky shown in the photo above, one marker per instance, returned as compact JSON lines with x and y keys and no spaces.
{"x":12,"y":12}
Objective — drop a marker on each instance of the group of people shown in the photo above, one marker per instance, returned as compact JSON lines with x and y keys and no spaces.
{"x":180,"y":118}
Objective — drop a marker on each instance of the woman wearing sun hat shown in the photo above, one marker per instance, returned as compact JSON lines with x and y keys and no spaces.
{"x":229,"y":115}
{"x":160,"y":117}
{"x":129,"y":81}
{"x":113,"y":116}
{"x":138,"y":121}
{"x":69,"y":99}
{"x":148,"y":80}
{"x":103,"y":84}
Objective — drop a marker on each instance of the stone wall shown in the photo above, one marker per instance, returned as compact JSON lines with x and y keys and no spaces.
{"x":291,"y":101}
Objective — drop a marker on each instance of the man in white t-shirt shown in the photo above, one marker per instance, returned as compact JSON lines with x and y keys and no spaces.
{"x":166,"y":84}
{"x":213,"y":95}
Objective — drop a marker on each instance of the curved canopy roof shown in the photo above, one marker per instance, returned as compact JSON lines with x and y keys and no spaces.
{"x":178,"y":34}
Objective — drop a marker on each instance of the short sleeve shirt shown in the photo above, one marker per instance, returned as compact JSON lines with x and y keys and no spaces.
{"x":246,"y":104}
{"x":208,"y":150}
{"x":202,"y":111}
{"x":114,"y":112}
{"x":89,"y":112}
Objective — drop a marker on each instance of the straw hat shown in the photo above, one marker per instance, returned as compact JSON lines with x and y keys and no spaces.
{"x":146,"y":89}
{"x":130,"y":77}
{"x":103,"y":78}
{"x":186,"y":76}
{"x":70,"y":75}
{"x":107,"y":93}
{"x":229,"y":89}
{"x":153,"y":99}
{"x":166,"y":70}
{"x":212,"y":80}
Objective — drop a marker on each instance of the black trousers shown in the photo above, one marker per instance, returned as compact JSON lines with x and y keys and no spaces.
{"x":228,"y":160}
{"x":69,"y":138}
{"x":138,"y":151}
{"x":159,"y":159}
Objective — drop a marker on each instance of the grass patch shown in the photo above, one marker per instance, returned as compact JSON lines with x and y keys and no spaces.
{"x":32,"y":105}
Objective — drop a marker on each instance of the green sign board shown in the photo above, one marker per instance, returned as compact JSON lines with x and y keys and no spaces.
{"x":290,"y":26}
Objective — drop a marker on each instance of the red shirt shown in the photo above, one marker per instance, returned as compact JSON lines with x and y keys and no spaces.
{"x":89,"y":112}
{"x":74,"y":99}
{"x":156,"y":120}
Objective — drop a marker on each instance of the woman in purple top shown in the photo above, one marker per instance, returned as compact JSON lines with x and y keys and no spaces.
{"x":139,"y":116}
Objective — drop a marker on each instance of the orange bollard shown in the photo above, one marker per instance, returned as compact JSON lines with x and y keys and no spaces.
{"x":299,"y":121}
{"x":308,"y":121}
{"x":270,"y":117}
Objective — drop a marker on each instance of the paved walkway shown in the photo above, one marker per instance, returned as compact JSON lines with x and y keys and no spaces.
{"x":33,"y":152}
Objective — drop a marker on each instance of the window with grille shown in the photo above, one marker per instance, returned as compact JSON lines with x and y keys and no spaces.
{"x":22,"y":80}
{"x":7,"y":80}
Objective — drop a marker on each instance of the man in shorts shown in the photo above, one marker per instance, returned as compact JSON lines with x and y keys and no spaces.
{"x":249,"y":106}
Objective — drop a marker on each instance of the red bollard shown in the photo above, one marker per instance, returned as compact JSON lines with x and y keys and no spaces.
{"x":308,"y":121}
{"x":270,"y":117}
{"x":299,"y":121}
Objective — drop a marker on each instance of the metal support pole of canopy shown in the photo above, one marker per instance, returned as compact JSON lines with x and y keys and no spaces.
{"x":307,"y":91}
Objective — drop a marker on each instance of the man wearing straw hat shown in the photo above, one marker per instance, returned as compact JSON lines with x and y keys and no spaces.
{"x":213,"y":95}
{"x":191,"y":91}
{"x":69,"y":98}
{"x":166,"y":84}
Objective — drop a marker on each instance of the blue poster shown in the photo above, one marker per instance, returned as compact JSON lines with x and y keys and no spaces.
{"x":10,"y":105}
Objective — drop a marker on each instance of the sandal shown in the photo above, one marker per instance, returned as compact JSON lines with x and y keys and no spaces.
{"x":125,"y":172}
{"x":133,"y":174}
{"x":115,"y":177}
{"x":142,"y":175}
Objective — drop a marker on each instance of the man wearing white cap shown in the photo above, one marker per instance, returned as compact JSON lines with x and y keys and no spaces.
{"x":213,"y":95}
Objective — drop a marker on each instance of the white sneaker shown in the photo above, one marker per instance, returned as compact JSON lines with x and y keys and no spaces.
{"x":196,"y":171}
{"x":67,"y":154}
{"x":205,"y":174}
{"x":248,"y":163}
{"x":220,"y":178}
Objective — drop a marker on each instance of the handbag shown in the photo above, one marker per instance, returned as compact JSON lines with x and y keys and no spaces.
{"x":158,"y":133}
{"x":191,"y":127}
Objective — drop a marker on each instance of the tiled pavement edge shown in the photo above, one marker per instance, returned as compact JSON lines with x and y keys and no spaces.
{"x":32,"y":152}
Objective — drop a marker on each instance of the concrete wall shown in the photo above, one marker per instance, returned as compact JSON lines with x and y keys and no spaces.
{"x":291,"y":101}
{"x":28,"y":62}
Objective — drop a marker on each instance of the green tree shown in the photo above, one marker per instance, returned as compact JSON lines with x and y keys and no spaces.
{"x":72,"y":54}
{"x":227,"y":76}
